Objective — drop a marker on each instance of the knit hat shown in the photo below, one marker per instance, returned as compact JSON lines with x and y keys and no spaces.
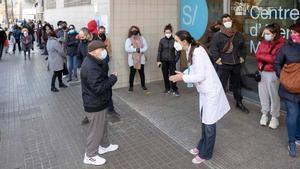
{"x":95,"y":44}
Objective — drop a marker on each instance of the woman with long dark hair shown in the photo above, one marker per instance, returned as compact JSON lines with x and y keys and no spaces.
{"x":269,"y":84}
{"x":136,"y":46}
{"x":213,"y":102}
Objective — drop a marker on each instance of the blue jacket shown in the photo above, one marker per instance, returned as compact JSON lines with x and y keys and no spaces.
{"x":17,"y":34}
{"x":288,"y":53}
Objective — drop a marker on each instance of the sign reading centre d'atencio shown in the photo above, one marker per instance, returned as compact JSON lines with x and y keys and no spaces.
{"x":270,"y":13}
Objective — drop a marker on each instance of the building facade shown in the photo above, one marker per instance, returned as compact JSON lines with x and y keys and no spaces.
{"x":194,"y":15}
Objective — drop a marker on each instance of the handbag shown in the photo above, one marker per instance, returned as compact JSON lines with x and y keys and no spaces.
{"x":257,"y":74}
{"x":290,"y":77}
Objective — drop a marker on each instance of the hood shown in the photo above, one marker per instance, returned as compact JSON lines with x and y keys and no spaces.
{"x":92,"y":27}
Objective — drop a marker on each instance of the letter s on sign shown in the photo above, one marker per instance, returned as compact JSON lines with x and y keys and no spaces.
{"x":188,"y":19}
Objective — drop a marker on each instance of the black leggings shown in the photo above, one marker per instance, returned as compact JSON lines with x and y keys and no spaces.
{"x":56,"y":74}
{"x":132,"y":74}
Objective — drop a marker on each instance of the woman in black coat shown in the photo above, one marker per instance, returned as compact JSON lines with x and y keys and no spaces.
{"x":3,"y":38}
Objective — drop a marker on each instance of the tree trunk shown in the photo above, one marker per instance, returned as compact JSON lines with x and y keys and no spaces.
{"x":12,"y":11}
{"x":6,"y":13}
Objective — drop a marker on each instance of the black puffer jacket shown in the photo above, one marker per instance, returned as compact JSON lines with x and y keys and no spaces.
{"x":166,"y":50}
{"x":96,"y":85}
{"x":218,"y":43}
{"x":72,"y":44}
{"x":288,"y":53}
{"x":3,"y":36}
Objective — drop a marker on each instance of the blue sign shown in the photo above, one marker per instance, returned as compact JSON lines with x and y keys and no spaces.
{"x":194,"y":17}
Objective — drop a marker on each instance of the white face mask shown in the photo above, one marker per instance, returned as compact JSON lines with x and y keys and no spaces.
{"x":228,"y":25}
{"x":25,"y":34}
{"x":177,"y":46}
{"x":168,"y":35}
{"x":103,"y":55}
{"x":268,"y":38}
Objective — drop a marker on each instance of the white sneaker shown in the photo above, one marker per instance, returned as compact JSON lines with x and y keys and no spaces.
{"x":264,"y":120}
{"x":297,"y":142}
{"x":274,"y":123}
{"x":96,"y":160}
{"x":110,"y":148}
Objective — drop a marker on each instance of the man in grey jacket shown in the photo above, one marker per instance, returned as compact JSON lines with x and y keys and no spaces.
{"x":226,"y":50}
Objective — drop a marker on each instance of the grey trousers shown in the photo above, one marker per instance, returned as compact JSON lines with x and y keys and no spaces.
{"x":97,"y":132}
{"x":268,"y":94}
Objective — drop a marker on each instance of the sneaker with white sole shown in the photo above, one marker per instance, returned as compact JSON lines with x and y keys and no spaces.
{"x":274,"y":123}
{"x":110,"y":148}
{"x":297,"y":142}
{"x":264,"y":120}
{"x":197,"y":160}
{"x":194,"y":151}
{"x":96,"y":160}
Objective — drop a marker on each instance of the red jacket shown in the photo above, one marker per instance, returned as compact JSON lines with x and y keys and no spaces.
{"x":265,"y":55}
{"x":92,"y":27}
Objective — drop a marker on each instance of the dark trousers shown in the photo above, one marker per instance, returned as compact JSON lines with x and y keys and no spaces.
{"x":234,"y":73}
{"x":293,"y":120}
{"x":207,"y":141}
{"x":56,"y":74}
{"x":27,"y":51}
{"x":1,"y":49}
{"x":111,"y":105}
{"x":132,"y":74}
{"x":168,"y":68}
{"x":19,"y":46}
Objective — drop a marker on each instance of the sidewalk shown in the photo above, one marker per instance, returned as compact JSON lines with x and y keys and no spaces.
{"x":241,"y":142}
{"x":41,"y":129}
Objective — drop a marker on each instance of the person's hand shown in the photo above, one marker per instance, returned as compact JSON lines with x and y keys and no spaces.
{"x":177,"y":77}
{"x":219,"y":61}
{"x":158,"y":64}
{"x":115,"y":73}
{"x":242,"y":60}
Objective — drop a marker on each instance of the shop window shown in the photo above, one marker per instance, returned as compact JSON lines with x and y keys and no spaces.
{"x":50,"y":4}
{"x":70,"y":3}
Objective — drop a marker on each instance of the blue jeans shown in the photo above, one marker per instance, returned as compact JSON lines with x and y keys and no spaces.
{"x":293,"y":120}
{"x":72,"y":63}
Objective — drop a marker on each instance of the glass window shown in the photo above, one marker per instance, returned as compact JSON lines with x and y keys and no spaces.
{"x":250,"y":16}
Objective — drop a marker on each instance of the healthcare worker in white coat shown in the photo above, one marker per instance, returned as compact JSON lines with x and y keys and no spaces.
{"x":213,"y":101}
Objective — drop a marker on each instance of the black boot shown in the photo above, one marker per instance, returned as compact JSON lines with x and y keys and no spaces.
{"x":85,"y":121}
{"x":54,"y":89}
{"x":63,"y":85}
{"x":114,"y":117}
{"x":241,"y":106}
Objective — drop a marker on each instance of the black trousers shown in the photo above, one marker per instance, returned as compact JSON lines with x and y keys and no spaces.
{"x":168,"y":68}
{"x":56,"y":74}
{"x":132,"y":74}
{"x":1,"y":50}
{"x":207,"y":142}
{"x":111,"y":105}
{"x":19,"y":46}
{"x":234,"y":73}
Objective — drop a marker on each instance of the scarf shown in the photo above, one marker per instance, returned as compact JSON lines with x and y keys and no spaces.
{"x":137,"y":42}
{"x":228,"y":47}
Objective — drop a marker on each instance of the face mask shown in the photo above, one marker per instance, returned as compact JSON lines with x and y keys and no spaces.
{"x":135,"y":32}
{"x":25,"y":34}
{"x":102,"y":36}
{"x":103,"y":55}
{"x":64,"y":27}
{"x":228,"y":25}
{"x":59,"y":26}
{"x":177,"y":46}
{"x":71,"y":31}
{"x":268,"y":38}
{"x":295,"y":38}
{"x":168,"y":35}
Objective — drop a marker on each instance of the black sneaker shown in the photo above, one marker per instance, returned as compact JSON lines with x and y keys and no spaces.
{"x":241,"y":106}
{"x":69,"y":80}
{"x":292,"y":150}
{"x":167,"y":91}
{"x":144,"y":88}
{"x":85,"y":121}
{"x":176,"y":93}
{"x":54,"y":89}
{"x":113,"y":113}
{"x":130,"y":89}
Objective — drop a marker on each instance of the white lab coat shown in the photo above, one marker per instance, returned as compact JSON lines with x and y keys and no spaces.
{"x":130,"y":50}
{"x":212,"y":98}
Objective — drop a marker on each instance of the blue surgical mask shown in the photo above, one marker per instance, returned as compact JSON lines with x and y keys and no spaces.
{"x":71,"y":31}
{"x":103,"y":55}
{"x":268,"y":38}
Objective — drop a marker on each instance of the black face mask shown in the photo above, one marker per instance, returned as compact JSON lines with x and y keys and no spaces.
{"x":102,"y":36}
{"x":64,"y":27}
{"x":135,"y":32}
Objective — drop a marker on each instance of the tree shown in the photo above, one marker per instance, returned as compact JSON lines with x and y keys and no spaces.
{"x":6,"y":13}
